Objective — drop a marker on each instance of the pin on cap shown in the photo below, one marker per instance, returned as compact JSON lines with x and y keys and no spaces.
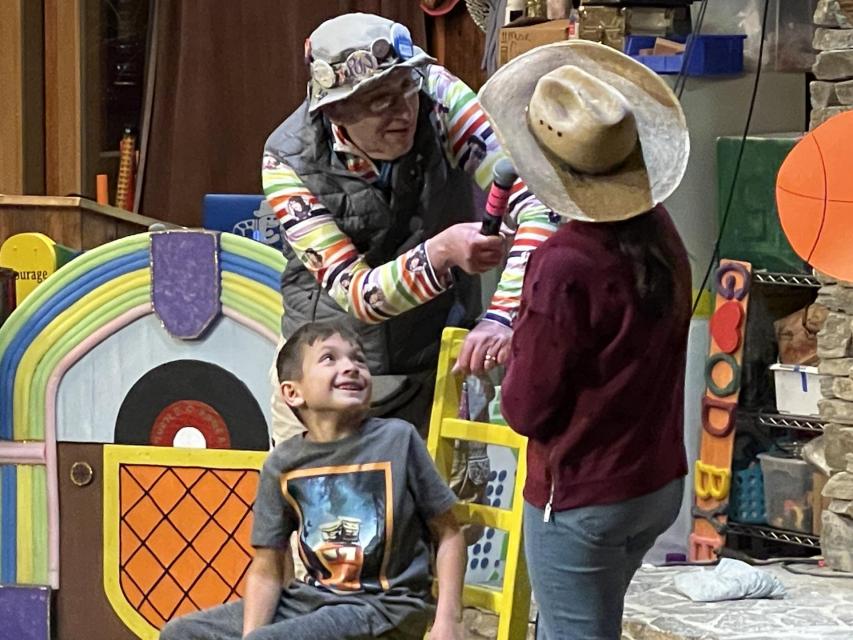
{"x":323,"y":74}
{"x":361,"y":64}
{"x":402,"y":40}
{"x":380,"y":48}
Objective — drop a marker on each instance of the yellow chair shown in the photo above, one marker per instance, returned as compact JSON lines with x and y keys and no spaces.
{"x":512,"y":602}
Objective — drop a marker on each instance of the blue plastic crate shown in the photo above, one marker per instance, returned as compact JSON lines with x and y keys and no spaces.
{"x":710,"y":55}
{"x":746,"y":502}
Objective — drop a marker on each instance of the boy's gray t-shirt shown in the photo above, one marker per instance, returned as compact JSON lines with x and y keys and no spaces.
{"x":361,"y":506}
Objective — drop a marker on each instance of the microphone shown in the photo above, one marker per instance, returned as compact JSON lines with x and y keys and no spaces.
{"x":496,"y":202}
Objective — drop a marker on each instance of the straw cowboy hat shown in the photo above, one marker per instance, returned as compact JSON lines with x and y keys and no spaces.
{"x":595,"y":135}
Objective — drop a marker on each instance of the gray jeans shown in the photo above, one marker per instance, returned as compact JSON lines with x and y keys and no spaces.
{"x":329,"y":622}
{"x":581,"y":562}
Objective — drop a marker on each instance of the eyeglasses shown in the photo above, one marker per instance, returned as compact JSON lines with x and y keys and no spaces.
{"x":410,"y":87}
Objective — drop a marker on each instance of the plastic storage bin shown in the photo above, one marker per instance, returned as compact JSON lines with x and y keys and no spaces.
{"x":797,"y":389}
{"x":710,"y":55}
{"x":746,"y":503}
{"x":787,"y":492}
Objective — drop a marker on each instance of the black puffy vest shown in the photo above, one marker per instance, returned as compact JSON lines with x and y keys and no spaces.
{"x":426,"y":195}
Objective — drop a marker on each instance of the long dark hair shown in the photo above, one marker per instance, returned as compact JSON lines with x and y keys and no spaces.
{"x":641,"y":240}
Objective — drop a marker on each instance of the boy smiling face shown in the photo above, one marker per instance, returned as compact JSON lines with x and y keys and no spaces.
{"x":335,"y":379}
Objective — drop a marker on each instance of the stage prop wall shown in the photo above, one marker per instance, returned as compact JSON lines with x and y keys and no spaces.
{"x":134,"y":417}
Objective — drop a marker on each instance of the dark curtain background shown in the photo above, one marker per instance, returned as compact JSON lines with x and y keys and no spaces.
{"x":227,"y":73}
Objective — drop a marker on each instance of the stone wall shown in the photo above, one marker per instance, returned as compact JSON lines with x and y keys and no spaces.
{"x":832,"y":93}
{"x":835,"y":349}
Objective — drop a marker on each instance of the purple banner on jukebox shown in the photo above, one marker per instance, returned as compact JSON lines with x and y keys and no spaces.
{"x":185,"y":281}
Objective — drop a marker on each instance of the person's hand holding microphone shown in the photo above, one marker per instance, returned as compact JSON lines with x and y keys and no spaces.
{"x":487,"y":345}
{"x":497,"y":202}
{"x":471,"y":246}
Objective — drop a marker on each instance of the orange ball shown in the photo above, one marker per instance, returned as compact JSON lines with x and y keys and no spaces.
{"x":814,"y":197}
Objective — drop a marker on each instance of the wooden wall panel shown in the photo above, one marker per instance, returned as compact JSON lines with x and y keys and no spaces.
{"x":63,"y":80}
{"x":11,"y":98}
{"x":458,"y":44}
{"x":32,"y":46}
{"x":21,"y":97}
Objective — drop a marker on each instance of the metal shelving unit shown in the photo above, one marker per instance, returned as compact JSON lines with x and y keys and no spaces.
{"x":769,"y":533}
{"x":800,"y":423}
{"x":765,"y":532}
{"x":809,"y":424}
{"x":787,"y":279}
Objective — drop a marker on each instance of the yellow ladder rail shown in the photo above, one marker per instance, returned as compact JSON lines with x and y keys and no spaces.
{"x":511,"y":602}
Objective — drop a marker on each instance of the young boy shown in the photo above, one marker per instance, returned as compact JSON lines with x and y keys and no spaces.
{"x":361,"y":493}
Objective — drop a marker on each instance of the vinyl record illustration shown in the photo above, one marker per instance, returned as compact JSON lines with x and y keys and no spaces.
{"x":191,"y":403}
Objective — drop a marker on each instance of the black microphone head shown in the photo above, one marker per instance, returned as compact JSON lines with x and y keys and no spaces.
{"x":504,"y":173}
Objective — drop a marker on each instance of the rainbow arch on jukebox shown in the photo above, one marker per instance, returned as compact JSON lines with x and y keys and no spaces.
{"x":87,"y":301}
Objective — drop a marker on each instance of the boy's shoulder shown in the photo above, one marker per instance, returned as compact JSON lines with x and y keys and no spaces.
{"x":284,"y":454}
{"x":388,"y":434}
{"x":388,"y":430}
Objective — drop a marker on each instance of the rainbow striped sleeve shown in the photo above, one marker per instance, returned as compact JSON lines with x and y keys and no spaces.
{"x":371,"y":295}
{"x":533,"y":224}
{"x":470,"y":142}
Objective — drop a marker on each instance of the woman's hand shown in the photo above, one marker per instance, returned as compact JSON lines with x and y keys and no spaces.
{"x":485,"y":347}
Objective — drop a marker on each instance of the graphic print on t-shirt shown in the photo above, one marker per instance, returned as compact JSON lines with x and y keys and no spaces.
{"x":345,"y":524}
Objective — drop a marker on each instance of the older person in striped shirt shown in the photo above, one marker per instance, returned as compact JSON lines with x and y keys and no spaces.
{"x":373,"y":181}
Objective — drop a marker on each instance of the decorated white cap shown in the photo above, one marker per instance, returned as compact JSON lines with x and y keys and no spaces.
{"x":352,"y":51}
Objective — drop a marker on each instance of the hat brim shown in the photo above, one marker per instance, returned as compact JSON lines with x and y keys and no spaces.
{"x":649,"y":175}
{"x":440,"y":10}
{"x":321,"y":97}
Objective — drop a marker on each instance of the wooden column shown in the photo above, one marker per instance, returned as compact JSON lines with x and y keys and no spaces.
{"x":21,"y":98}
{"x":11,"y":100}
{"x":63,"y":82}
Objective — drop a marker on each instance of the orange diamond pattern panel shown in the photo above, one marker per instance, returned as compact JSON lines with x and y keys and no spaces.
{"x":184,"y":536}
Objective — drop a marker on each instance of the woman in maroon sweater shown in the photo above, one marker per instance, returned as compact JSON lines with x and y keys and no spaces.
{"x":596,"y":373}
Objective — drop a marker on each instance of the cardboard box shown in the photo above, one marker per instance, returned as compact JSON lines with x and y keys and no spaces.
{"x":517,"y":40}
{"x":664,"y":47}
{"x":603,"y":24}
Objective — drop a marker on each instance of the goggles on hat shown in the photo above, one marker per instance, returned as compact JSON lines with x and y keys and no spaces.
{"x":359,"y":65}
{"x":363,"y":63}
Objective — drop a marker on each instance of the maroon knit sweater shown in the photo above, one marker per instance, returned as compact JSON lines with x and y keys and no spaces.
{"x":596,"y":385}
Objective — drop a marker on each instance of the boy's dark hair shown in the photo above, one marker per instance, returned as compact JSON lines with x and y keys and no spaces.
{"x":289,"y":361}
